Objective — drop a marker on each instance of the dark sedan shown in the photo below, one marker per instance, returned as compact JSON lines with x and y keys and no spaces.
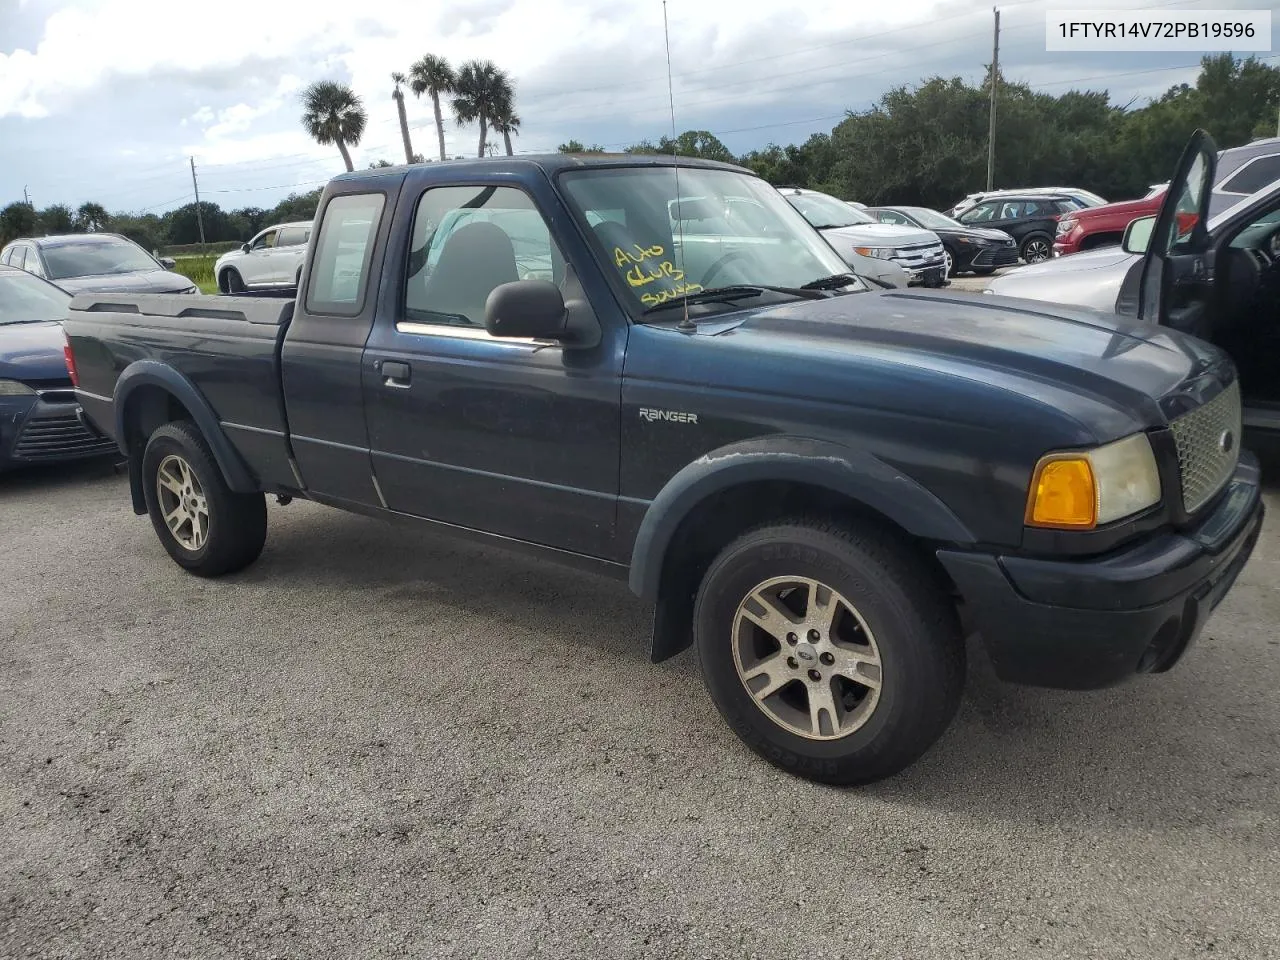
{"x":40,"y":420}
{"x":95,"y":263}
{"x":977,"y":250}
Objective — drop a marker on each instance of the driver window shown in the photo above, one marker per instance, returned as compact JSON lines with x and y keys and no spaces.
{"x":265,"y":241}
{"x":466,"y":242}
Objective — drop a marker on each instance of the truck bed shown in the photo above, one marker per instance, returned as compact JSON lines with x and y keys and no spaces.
{"x":227,"y":347}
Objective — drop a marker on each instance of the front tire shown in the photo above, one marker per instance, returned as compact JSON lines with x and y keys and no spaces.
{"x":232,"y":282}
{"x":832,"y":652}
{"x":206,"y":527}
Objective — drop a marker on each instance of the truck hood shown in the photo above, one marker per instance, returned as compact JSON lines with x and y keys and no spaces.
{"x":1134,"y":208}
{"x":880,"y":235}
{"x":1077,"y":361}
{"x":32,"y":351}
{"x":151,"y":281}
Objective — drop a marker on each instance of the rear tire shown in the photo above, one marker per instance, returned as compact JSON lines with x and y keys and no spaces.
{"x":1036,"y":248}
{"x":888,"y":663}
{"x":206,"y":527}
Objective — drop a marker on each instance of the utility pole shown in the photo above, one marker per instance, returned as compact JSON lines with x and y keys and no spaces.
{"x":991,"y":130}
{"x":26,"y":197}
{"x":196,"y":185}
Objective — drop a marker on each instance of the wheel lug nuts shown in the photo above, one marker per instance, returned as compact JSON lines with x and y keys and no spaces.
{"x":791,"y":662}
{"x":827,"y":658}
{"x":792,"y":639}
{"x":814,"y":636}
{"x":815,"y":675}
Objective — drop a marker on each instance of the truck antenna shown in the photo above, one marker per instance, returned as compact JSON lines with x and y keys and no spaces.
{"x":686,"y":325}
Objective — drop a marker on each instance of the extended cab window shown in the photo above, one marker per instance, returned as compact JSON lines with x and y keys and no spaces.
{"x":340,"y":260}
{"x":469,"y":240}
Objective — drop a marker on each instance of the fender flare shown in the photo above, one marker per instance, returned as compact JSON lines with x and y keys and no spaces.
{"x":143,"y":373}
{"x":835,"y":467}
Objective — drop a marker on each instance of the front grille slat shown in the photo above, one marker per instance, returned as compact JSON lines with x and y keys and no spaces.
{"x":1208,"y":444}
{"x":47,"y":438}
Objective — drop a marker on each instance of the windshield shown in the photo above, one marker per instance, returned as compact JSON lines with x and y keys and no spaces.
{"x":727,"y":228}
{"x":28,"y":299}
{"x":826,"y":212}
{"x":930,"y":219}
{"x":92,"y":258}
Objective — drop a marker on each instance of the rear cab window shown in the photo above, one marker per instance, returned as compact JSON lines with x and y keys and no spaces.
{"x":339,"y":279}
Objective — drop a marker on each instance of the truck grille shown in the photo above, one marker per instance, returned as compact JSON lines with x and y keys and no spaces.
{"x":1208,"y":442}
{"x":59,"y":438}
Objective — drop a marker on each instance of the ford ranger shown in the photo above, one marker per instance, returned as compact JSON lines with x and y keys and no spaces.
{"x":819,"y":486}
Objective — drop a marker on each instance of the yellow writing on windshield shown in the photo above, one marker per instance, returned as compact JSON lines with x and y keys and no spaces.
{"x":662,"y":296}
{"x":638,"y":276}
{"x":622,"y":258}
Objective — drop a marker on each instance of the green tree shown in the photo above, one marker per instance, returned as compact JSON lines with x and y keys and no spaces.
{"x":333,"y":114}
{"x":697,"y":143}
{"x":56,"y":218}
{"x":433,"y":76}
{"x":576,"y":146}
{"x":92,"y":218}
{"x":398,"y":96}
{"x":18,"y":219}
{"x":296,"y":206}
{"x":146,"y":230}
{"x":483,"y":92}
{"x":182,"y":225}
{"x":507,"y":123}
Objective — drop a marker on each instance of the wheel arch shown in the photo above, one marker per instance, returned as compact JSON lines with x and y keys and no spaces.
{"x":149,"y":394}
{"x":715,"y":498}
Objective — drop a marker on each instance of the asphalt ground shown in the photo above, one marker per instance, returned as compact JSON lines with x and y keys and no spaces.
{"x":376,"y":743}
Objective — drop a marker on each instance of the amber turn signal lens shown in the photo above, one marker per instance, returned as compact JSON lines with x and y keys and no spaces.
{"x":1063,"y":494}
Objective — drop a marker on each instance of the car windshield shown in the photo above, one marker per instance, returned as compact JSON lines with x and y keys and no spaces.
{"x":826,"y":212}
{"x":722,"y":228}
{"x":930,"y":219}
{"x":92,"y":258}
{"x":28,"y":299}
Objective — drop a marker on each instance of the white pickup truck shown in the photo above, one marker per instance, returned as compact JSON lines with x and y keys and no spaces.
{"x":273,"y":258}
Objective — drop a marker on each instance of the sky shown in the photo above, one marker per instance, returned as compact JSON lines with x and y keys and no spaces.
{"x":107,"y":100}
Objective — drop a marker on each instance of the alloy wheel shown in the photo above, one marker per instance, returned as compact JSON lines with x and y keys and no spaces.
{"x":182,"y":502}
{"x":807,"y":658}
{"x":1036,"y":251}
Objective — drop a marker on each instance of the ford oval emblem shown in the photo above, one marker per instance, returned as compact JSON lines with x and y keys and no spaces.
{"x":1227,"y":441}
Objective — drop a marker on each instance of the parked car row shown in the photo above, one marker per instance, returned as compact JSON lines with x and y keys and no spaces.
{"x":95,"y":263}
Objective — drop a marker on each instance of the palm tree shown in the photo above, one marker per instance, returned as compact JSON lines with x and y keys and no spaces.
{"x":433,"y":76}
{"x":483,"y":93}
{"x":334,"y":114}
{"x":398,"y":95}
{"x":506,"y":123}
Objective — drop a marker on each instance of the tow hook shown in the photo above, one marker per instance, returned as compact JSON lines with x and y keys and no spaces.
{"x":283,"y":499}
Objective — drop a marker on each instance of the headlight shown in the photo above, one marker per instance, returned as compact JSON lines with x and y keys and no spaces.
{"x":1065,"y":226}
{"x":194,"y":288}
{"x":1084,"y":489}
{"x":879,"y":253}
{"x":14,"y":388}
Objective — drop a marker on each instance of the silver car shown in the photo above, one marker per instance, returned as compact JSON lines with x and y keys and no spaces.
{"x":273,"y":258}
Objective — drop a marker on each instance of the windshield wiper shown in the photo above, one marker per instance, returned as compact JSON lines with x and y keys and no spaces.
{"x":834,"y":282}
{"x":741,"y":291}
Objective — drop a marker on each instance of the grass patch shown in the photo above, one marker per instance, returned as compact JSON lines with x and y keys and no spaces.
{"x":199,"y":269}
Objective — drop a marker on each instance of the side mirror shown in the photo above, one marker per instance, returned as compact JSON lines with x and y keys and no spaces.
{"x":534,"y":309}
{"x":168,"y":262}
{"x":244,"y":247}
{"x":1137,"y":236}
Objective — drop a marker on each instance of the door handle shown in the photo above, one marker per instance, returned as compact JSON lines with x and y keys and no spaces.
{"x":394,"y":373}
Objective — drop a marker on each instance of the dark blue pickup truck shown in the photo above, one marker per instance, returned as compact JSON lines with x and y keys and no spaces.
{"x":819,"y":485}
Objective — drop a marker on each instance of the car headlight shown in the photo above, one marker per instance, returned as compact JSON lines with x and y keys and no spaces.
{"x":14,"y":388}
{"x":1084,"y":489}
{"x":1065,"y":226}
{"x":194,"y":288}
{"x":879,"y":253}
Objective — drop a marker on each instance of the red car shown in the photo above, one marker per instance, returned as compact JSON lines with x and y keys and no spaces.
{"x":1103,"y":226}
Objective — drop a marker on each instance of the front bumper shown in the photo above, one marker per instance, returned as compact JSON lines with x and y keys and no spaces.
{"x":1095,"y":623}
{"x":995,"y":256}
{"x":47,"y":430}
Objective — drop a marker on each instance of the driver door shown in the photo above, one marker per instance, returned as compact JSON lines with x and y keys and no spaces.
{"x":1177,"y":271}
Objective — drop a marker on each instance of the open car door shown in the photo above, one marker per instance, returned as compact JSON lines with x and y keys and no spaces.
{"x":1177,"y":274}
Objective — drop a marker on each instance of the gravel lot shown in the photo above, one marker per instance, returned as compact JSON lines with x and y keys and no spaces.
{"x":375,"y":743}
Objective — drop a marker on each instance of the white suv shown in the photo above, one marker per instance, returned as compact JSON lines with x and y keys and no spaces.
{"x":885,"y":251}
{"x":273,"y":258}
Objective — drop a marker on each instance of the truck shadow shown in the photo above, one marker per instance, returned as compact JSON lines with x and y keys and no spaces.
{"x":1192,"y":746}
